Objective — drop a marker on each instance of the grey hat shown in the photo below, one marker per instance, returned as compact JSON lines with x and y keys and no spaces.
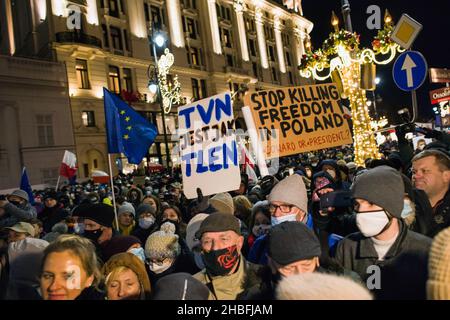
{"x":126,"y":207}
{"x":144,"y":208}
{"x":292,"y":241}
{"x":21,"y":194}
{"x":291,"y":190}
{"x":382,"y":186}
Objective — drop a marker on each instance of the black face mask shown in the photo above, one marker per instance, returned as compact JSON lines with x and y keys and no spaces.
{"x":220,"y":262}
{"x":92,"y":235}
{"x":16,"y":203}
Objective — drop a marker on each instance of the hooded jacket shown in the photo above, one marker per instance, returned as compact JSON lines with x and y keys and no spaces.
{"x":14,"y":214}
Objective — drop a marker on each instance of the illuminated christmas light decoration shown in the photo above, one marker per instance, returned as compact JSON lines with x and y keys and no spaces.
{"x":381,"y":123}
{"x":171,"y":94}
{"x":341,"y":54}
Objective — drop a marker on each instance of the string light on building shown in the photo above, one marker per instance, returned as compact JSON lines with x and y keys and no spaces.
{"x":380,"y":123}
{"x":170,"y":93}
{"x":341,"y":58}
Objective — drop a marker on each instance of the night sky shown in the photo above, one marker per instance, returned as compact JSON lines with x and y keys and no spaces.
{"x":433,"y":42}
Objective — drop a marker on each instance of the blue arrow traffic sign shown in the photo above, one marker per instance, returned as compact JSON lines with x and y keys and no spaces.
{"x":410,"y":70}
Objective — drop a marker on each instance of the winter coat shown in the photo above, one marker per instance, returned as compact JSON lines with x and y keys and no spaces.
{"x":240,"y":285}
{"x":14,"y":214}
{"x":357,"y":253}
{"x":441,"y":216}
{"x":51,"y":216}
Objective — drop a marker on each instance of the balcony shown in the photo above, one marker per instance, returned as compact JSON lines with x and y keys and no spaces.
{"x":75,"y":37}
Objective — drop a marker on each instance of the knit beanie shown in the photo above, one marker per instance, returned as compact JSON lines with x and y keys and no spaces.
{"x":222,"y":202}
{"x":118,"y":244}
{"x":144,"y":208}
{"x":382,"y":186}
{"x":292,"y":241}
{"x":180,"y":286}
{"x":320,"y":286}
{"x":192,"y":228}
{"x":163,"y":244}
{"x":126,"y":207}
{"x":438,"y":284}
{"x":98,"y":212}
{"x":132,"y":262}
{"x":291,"y":190}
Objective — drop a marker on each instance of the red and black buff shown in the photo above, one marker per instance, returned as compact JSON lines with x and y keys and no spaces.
{"x":220,"y":262}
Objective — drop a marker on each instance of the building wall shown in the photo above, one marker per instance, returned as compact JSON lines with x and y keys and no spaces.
{"x":217,"y":34}
{"x":35,"y":120}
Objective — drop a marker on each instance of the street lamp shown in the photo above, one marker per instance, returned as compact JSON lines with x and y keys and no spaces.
{"x":158,"y":39}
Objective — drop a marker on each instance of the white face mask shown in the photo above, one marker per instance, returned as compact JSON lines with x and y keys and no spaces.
{"x":371,"y":223}
{"x":261,"y":229}
{"x":332,"y":173}
{"x":277,"y":220}
{"x":138,"y":252}
{"x":159,"y":269}
{"x":407,"y":209}
{"x":146,"y":222}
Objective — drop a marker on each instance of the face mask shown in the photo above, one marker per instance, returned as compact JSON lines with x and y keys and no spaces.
{"x":147,"y":222}
{"x":92,"y":235}
{"x":220,"y":262}
{"x":371,"y":223}
{"x":198,"y":258}
{"x":159,"y":269}
{"x":407,"y":209}
{"x":138,"y":252}
{"x":332,"y":173}
{"x":78,"y":228}
{"x":277,"y":220}
{"x":260,"y":230}
{"x":314,"y":164}
{"x":16,"y":203}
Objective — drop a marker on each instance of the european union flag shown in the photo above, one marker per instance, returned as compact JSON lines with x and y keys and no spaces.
{"x":25,"y":185}
{"x":126,"y":130}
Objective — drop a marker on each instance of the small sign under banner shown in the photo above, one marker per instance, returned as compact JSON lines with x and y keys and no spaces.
{"x":299,"y":119}
{"x":440,"y":95}
{"x":208,"y":148}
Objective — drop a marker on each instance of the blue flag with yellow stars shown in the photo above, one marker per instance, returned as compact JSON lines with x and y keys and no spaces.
{"x":127,"y":131}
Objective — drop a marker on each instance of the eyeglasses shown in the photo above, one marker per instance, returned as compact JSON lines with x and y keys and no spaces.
{"x":284,"y":208}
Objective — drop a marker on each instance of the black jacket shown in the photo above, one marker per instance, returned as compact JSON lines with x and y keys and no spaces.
{"x":51,"y":216}
{"x":357,"y":253}
{"x":441,"y":216}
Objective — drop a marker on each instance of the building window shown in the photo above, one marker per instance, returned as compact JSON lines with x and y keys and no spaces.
{"x":198,"y":89}
{"x":288,"y":59}
{"x":125,"y":40}
{"x":291,"y":78}
{"x":50,"y":175}
{"x":88,"y":118}
{"x":274,"y":75}
{"x":127,"y":80}
{"x":114,"y":8}
{"x":191,"y":4}
{"x":271,"y":53}
{"x":116,"y":38}
{"x":105,"y":36}
{"x":223,"y":12}
{"x":285,"y":39}
{"x":82,"y":74}
{"x":255,"y":69}
{"x":86,"y":170}
{"x":250,"y":24}
{"x":191,"y":27}
{"x":95,"y":163}
{"x":195,"y":57}
{"x":114,"y":79}
{"x":45,"y":129}
{"x":230,"y":61}
{"x":226,"y":38}
{"x":252,"y":45}
{"x":157,"y":16}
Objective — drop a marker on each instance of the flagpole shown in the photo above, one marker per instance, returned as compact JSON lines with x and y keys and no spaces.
{"x":57,"y":183}
{"x":112,"y":191}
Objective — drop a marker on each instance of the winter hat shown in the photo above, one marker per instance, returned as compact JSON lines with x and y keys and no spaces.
{"x":23,"y":227}
{"x":218,"y":222}
{"x":180,"y":286}
{"x":144,"y":208}
{"x":222,"y":202}
{"x":292,"y":241}
{"x":132,"y":262}
{"x":57,"y":230}
{"x":382,"y":186}
{"x":192,"y":228}
{"x":118,"y":244}
{"x":101,"y":213}
{"x":351,"y":166}
{"x":438,"y":284}
{"x":21,"y":194}
{"x":320,"y":286}
{"x":162,"y":244}
{"x":51,"y":195}
{"x":291,"y":190}
{"x":126,"y":207}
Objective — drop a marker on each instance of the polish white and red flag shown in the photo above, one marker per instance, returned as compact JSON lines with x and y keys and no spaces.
{"x":69,"y":165}
{"x":249,"y":165}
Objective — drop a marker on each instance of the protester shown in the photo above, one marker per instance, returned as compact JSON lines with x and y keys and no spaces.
{"x":154,"y":202}
{"x":120,"y":244}
{"x":146,"y":215}
{"x":192,"y":242}
{"x":259,"y":222}
{"x":126,"y":278}
{"x":70,"y":270}
{"x":53,"y":212}
{"x":16,"y":208}
{"x":173,"y":214}
{"x":20,"y":231}
{"x":242,"y":209}
{"x":126,"y":214}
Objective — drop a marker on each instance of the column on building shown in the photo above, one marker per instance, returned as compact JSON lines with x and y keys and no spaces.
{"x":39,"y":12}
{"x":175,"y":23}
{"x":261,"y":38}
{"x":92,"y":11}
{"x":214,"y":25}
{"x":300,"y":37}
{"x":239,"y":8}
{"x":279,"y":44}
{"x":10,"y":26}
{"x":136,"y":16}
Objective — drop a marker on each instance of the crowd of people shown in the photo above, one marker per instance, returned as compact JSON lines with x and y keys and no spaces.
{"x":320,"y":228}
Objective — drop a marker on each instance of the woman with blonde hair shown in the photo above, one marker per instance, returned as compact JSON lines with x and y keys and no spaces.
{"x":70,"y":270}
